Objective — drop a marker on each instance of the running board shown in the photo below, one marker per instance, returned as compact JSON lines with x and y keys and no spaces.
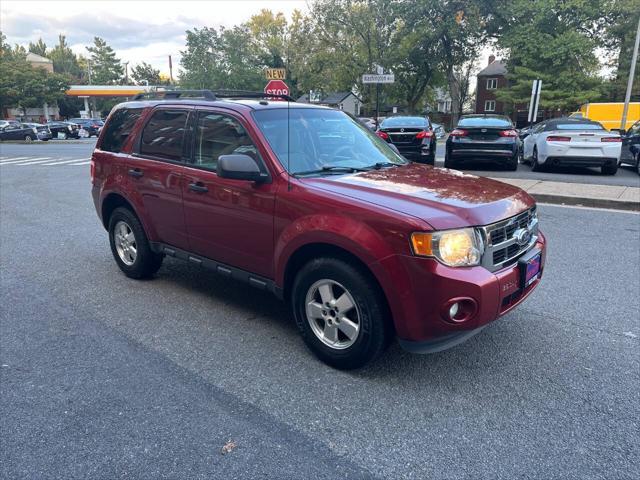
{"x":252,"y":279}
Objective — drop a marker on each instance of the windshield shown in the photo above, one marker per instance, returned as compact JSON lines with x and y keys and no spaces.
{"x":318,"y":139}
{"x":404,"y":122}
{"x":484,"y":122}
{"x":579,"y":126}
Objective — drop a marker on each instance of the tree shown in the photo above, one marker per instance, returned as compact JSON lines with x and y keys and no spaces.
{"x":24,"y":86}
{"x":39,"y":48}
{"x":64,"y":60}
{"x":104,"y":66}
{"x":552,"y":40}
{"x":144,"y":73}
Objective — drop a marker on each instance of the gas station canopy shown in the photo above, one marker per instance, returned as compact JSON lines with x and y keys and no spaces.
{"x":106,"y":90}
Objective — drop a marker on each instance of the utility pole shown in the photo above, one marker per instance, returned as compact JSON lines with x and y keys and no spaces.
{"x":170,"y":70}
{"x":632,"y":71}
{"x":126,"y":73}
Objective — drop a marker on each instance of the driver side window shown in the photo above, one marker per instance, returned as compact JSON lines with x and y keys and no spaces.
{"x":218,"y":134}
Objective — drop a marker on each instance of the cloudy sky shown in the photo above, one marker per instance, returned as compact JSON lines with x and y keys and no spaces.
{"x":138,"y":30}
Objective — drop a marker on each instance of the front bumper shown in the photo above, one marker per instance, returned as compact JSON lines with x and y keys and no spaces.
{"x":424,"y":287}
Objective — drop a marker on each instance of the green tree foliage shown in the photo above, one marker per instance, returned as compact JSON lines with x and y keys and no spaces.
{"x":24,"y":86}
{"x":554,"y":40}
{"x":39,"y":48}
{"x":104,"y":65}
{"x":144,"y":73}
{"x":64,"y":60}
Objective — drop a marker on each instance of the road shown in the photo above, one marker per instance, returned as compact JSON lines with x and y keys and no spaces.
{"x":59,"y":151}
{"x":106,"y":377}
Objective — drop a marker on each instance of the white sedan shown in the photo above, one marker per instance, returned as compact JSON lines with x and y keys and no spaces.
{"x":572,"y":142}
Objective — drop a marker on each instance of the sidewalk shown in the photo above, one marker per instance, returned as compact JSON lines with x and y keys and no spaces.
{"x":587,"y":195}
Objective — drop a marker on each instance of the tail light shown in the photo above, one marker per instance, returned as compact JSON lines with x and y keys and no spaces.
{"x":382,"y":135}
{"x":458,"y":132}
{"x":558,"y":138}
{"x":611,"y":139}
{"x":92,"y":170}
{"x":508,"y":133}
{"x":425,"y":134}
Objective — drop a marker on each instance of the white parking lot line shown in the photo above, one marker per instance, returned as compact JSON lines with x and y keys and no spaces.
{"x":12,"y":159}
{"x":33,"y":159}
{"x":87,"y":162}
{"x":62,"y":162}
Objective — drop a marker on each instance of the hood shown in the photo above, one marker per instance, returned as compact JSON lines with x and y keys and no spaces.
{"x":441,"y":197}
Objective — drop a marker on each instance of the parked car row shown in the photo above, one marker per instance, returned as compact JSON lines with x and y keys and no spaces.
{"x":29,"y":131}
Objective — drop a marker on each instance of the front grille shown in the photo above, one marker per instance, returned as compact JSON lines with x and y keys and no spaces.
{"x":502,"y":247}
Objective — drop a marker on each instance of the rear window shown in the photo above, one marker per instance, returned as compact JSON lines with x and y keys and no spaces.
{"x":117,"y":131}
{"x":163,"y":135}
{"x":579,"y":126}
{"x":485,"y":122}
{"x":404,"y":122}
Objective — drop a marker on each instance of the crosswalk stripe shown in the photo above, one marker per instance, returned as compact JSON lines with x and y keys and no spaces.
{"x":81,"y":163}
{"x":66,"y":161}
{"x":26,"y":164}
{"x":12,"y":159}
{"x":32,"y":160}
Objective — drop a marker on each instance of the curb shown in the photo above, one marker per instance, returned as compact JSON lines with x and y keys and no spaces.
{"x":586,"y":202}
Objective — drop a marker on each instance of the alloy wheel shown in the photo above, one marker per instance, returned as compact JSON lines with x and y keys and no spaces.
{"x":125,"y":242}
{"x":332,"y":313}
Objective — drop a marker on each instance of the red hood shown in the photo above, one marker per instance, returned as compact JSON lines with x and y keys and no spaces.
{"x":443,"y":198}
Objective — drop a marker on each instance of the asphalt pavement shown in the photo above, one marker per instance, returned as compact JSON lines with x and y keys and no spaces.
{"x":106,"y":377}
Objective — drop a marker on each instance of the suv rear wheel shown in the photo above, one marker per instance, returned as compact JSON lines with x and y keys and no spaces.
{"x":341,"y":313}
{"x":130,"y":246}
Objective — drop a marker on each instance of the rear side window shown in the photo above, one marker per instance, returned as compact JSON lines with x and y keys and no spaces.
{"x":163,"y":135}
{"x":120,"y":126}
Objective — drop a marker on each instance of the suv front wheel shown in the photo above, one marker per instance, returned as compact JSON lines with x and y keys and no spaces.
{"x":130,"y":246}
{"x":341,"y":313}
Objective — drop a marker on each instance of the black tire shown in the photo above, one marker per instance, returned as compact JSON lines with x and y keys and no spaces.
{"x":146,"y":262}
{"x":431,"y":159}
{"x":512,"y":164}
{"x":609,"y":169}
{"x":374,"y":319}
{"x":535,"y":166}
{"x":637,"y":158}
{"x":521,"y":155}
{"x":448,"y":162}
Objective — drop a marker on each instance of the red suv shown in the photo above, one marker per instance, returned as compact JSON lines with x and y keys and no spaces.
{"x":303,"y":201}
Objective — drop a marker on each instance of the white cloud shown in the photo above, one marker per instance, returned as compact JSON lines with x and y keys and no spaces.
{"x":137,"y":30}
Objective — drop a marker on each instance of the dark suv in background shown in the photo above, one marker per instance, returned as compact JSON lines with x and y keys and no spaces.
{"x":413,"y":137}
{"x":303,"y":201}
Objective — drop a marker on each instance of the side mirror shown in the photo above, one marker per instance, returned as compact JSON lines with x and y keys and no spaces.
{"x":239,"y":166}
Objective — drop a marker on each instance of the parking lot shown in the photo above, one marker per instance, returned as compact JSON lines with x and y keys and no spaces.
{"x":106,"y":377}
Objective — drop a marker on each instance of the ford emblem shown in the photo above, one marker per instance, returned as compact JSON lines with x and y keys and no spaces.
{"x":522,"y":236}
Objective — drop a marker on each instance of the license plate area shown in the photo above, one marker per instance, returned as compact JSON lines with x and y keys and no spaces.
{"x":529,"y":266}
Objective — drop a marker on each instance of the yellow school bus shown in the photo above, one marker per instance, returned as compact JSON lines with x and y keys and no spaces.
{"x":609,"y":114}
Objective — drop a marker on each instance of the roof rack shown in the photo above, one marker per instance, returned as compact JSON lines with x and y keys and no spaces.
{"x":174,"y":94}
{"x":250,"y":94}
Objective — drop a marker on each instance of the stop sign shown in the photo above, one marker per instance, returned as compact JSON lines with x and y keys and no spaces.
{"x":276,"y":87}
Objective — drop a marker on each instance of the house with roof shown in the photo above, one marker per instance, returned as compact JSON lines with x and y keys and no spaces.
{"x":490,"y":79}
{"x":346,"y":101}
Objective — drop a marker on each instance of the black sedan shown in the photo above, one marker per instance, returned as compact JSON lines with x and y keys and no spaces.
{"x":42,"y":131}
{"x":413,"y":136}
{"x":63,"y":130}
{"x":91,"y":126}
{"x":489,"y":138}
{"x":11,"y":130}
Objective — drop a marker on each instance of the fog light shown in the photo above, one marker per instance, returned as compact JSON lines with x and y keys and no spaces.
{"x":453,"y":310}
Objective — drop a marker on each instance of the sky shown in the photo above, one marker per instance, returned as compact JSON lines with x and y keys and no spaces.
{"x":138,"y":31}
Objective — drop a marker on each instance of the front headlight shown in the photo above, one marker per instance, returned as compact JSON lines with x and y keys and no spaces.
{"x":455,"y":248}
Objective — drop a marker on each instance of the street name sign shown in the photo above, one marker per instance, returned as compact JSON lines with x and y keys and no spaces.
{"x":376,"y":78}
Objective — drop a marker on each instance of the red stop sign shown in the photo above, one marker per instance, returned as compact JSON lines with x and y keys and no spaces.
{"x":276,"y":87}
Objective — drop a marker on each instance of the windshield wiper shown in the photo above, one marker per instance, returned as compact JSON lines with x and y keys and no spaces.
{"x":332,"y":169}
{"x":379,"y":165}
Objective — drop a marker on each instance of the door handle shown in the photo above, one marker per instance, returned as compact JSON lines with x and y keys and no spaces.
{"x":136,"y":172}
{"x":198,"y":187}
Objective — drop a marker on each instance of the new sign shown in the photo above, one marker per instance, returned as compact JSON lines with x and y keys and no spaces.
{"x":275,"y":73}
{"x":375,"y":78}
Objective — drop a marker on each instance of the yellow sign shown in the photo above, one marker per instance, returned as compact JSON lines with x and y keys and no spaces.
{"x":275,"y":73}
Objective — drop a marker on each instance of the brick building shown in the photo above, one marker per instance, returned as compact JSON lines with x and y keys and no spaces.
{"x":490,"y":79}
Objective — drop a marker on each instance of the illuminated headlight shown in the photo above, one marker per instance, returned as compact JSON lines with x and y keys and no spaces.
{"x":455,"y":248}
